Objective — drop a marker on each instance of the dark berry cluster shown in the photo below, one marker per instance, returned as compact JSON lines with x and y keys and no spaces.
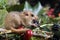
{"x":55,"y":27}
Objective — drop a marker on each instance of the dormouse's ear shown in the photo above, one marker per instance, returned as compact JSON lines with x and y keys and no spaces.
{"x":25,"y":12}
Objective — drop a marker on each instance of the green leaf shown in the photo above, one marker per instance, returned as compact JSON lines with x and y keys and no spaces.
{"x":3,"y":13}
{"x":27,"y":6}
{"x":37,"y":8}
{"x":3,"y":3}
{"x":34,"y":9}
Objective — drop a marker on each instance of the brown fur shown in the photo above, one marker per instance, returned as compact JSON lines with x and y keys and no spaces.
{"x":14,"y":19}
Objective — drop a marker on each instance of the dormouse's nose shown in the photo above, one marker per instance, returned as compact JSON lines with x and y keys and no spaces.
{"x":35,"y":22}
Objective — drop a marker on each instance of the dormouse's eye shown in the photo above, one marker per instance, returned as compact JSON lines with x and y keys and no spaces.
{"x":32,"y":15}
{"x":26,"y":14}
